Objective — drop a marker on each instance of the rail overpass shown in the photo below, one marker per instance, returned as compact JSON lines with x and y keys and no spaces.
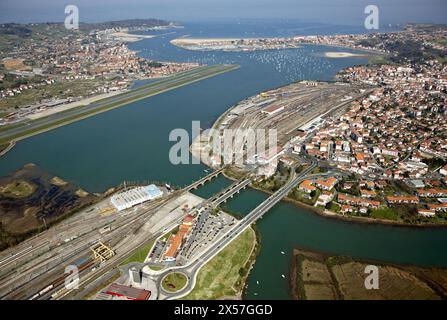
{"x":204,"y":180}
{"x":229,"y":192}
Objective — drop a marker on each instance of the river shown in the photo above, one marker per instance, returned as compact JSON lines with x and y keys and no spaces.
{"x":131,"y":143}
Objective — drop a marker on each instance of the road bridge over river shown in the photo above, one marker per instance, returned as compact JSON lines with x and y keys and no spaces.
{"x":192,"y":268}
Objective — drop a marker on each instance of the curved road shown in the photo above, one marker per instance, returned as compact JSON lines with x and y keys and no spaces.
{"x":191,"y":269}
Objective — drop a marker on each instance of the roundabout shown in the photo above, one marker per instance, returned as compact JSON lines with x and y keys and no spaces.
{"x":174,"y":282}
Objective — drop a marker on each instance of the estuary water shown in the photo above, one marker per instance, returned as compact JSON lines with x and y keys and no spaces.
{"x":131,"y":144}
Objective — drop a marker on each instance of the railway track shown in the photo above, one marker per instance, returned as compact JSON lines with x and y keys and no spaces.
{"x":79,"y":246}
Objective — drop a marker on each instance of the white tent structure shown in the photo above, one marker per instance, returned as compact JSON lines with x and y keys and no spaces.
{"x":135,"y":196}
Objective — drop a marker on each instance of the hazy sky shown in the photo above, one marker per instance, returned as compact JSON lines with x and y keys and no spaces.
{"x":346,"y":12}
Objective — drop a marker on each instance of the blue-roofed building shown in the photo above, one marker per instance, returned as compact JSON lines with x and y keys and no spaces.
{"x":135,"y":196}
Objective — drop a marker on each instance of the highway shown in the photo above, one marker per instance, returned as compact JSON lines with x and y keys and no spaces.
{"x":39,"y":261}
{"x":37,"y":126}
{"x":191,"y":269}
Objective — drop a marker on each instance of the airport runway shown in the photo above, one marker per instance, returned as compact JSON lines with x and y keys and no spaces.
{"x":30,"y":128}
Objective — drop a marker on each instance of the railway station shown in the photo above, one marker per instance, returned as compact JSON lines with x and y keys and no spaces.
{"x":132,"y":197}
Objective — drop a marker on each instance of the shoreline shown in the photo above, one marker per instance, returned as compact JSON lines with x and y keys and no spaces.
{"x":342,"y":55}
{"x":11,"y":145}
{"x":347,"y":219}
{"x":127,"y":37}
{"x":71,"y":105}
{"x":187,"y":43}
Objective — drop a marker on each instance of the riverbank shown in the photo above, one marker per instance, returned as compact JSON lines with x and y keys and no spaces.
{"x":32,"y":200}
{"x":7,"y":147}
{"x":333,"y":215}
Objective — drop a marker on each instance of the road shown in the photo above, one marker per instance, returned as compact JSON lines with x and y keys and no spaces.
{"x":191,"y":269}
{"x":58,"y":119}
{"x":38,"y":261}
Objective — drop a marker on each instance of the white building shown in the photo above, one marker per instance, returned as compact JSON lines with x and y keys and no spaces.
{"x":135,"y":196}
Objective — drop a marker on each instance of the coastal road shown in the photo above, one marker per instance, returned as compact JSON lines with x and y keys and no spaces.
{"x":30,"y":128}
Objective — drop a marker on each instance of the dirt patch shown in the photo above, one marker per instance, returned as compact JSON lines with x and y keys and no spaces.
{"x":320,"y":292}
{"x":58,"y":181}
{"x":15,"y":64}
{"x":394,"y":284}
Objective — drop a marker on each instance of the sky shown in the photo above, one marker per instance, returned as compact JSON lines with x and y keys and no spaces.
{"x":337,"y":12}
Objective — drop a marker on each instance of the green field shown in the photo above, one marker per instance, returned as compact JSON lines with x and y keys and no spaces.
{"x":224,"y":275}
{"x":385,"y":213}
{"x":174,"y":282}
{"x":61,"y":90}
{"x":140,"y":255}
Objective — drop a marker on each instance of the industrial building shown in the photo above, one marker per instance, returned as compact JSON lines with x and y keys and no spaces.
{"x":135,"y":196}
{"x":123,"y":292}
{"x":272,"y":110}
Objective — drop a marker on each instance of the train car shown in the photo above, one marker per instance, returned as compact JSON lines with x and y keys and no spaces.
{"x":46,"y":289}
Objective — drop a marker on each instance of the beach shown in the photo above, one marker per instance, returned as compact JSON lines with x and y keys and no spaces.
{"x":342,"y":55}
{"x":127,"y":37}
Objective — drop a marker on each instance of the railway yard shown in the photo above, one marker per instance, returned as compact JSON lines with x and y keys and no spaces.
{"x":299,"y":106}
{"x":292,"y":107}
{"x":35,"y":269}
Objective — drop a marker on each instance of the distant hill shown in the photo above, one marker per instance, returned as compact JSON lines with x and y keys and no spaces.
{"x":130,"y":23}
{"x":15,"y":29}
{"x":26,"y":30}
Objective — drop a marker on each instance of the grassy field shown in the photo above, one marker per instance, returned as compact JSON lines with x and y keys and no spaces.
{"x":3,"y":146}
{"x":174,"y":282}
{"x":224,"y":275}
{"x":61,"y":90}
{"x":140,"y":255}
{"x":385,"y":213}
{"x":17,"y":189}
